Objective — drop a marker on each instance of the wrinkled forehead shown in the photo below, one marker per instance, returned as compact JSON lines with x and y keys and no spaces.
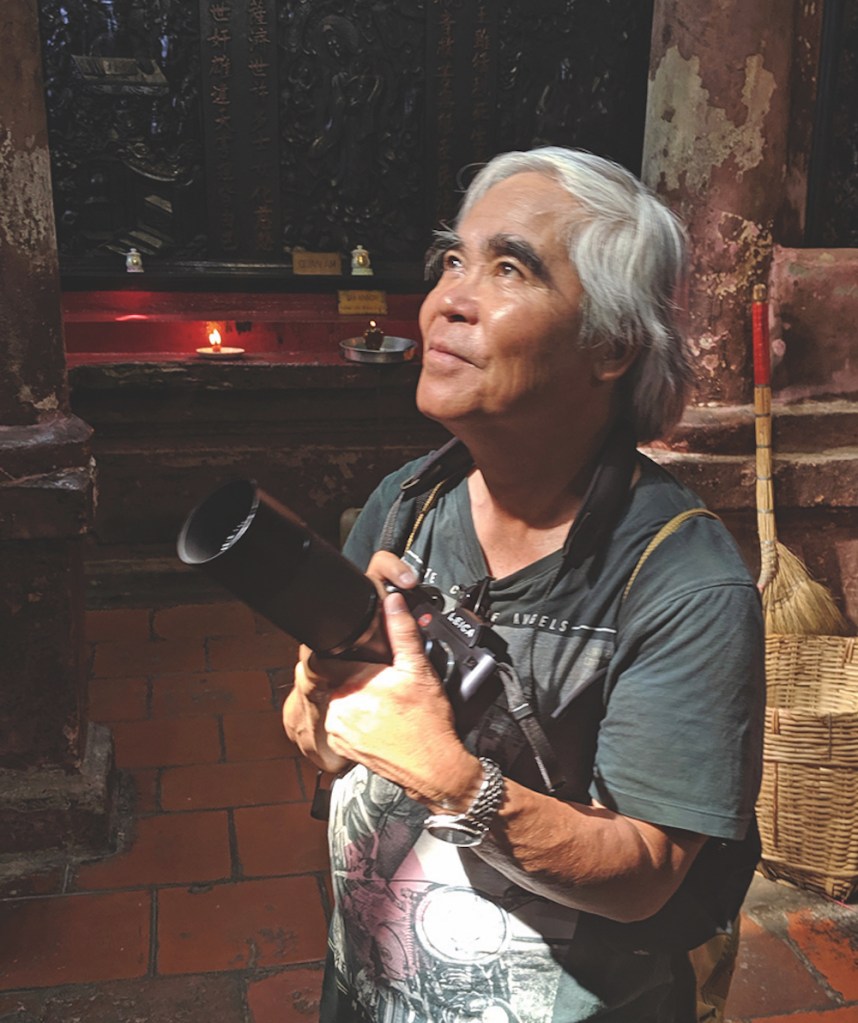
{"x":530,"y":206}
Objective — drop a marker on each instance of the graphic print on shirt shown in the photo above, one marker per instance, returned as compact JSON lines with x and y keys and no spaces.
{"x":434,"y":934}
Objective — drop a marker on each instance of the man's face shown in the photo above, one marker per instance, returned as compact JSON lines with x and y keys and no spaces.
{"x":500,"y":328}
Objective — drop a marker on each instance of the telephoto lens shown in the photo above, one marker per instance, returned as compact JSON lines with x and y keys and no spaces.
{"x":267,"y":557}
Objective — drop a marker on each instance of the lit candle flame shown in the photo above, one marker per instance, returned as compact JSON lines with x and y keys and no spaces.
{"x":215,"y":340}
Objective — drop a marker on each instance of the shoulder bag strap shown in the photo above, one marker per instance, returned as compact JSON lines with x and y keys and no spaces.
{"x":668,"y":529}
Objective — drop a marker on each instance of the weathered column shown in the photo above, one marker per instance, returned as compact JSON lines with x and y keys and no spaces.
{"x":716,"y":148}
{"x":55,"y":773}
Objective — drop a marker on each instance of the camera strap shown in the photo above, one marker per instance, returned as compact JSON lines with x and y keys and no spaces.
{"x":605,"y":497}
{"x":446,"y":465}
{"x":522,"y":710}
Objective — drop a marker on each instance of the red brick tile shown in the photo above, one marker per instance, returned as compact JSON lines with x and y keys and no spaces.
{"x":205,"y":999}
{"x":251,"y":783}
{"x":118,"y":625}
{"x":147,"y":790}
{"x":178,"y":848}
{"x":289,"y":997}
{"x":123,"y":660}
{"x":280,"y":840}
{"x":769,"y":978}
{"x":210,"y":693}
{"x":274,"y":922}
{"x":228,"y":619}
{"x":830,"y":951}
{"x":118,"y":699}
{"x":74,"y":939}
{"x":263,"y":625}
{"x":256,"y":737}
{"x":265,"y":650}
{"x":165,"y":743}
{"x":842,"y":1015}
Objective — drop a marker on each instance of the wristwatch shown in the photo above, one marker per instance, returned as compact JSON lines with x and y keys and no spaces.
{"x":469,"y":828}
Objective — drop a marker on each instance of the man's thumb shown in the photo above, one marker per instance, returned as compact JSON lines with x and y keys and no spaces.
{"x":406,"y":641}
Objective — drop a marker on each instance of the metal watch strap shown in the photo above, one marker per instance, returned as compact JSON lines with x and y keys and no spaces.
{"x":469,"y":828}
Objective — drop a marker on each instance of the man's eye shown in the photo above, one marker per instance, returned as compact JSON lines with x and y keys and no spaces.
{"x":438,"y":261}
{"x":507,"y":269}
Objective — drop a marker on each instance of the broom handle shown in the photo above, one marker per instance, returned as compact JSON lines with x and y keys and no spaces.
{"x":763,"y":431}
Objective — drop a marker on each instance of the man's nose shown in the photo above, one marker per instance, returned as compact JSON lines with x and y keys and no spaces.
{"x":458,"y":300}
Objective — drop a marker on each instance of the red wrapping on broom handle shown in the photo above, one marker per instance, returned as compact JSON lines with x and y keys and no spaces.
{"x":762,"y":344}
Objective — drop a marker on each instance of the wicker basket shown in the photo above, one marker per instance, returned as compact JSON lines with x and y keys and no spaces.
{"x":808,"y":804}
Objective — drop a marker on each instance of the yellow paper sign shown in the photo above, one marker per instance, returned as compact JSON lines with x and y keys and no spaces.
{"x":321,"y":264}
{"x":362,"y":303}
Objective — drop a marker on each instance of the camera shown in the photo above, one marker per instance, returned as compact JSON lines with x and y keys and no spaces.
{"x":272,"y":561}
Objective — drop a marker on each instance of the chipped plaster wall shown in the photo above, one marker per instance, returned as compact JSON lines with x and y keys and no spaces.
{"x":692,"y":136}
{"x":715,"y":149}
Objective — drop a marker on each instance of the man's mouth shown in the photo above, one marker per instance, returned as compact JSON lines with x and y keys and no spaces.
{"x":442,"y":352}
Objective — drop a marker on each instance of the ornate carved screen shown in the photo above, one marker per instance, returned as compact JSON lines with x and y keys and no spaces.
{"x":832,"y":209}
{"x":233,"y":131}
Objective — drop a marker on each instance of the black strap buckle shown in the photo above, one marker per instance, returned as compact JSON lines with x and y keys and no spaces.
{"x":320,"y":808}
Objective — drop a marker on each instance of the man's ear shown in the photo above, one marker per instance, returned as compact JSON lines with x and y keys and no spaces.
{"x":610,"y":367}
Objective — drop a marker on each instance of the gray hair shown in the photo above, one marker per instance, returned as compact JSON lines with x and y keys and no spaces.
{"x":630,"y":254}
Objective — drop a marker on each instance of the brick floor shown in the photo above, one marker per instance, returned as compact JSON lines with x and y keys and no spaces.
{"x":178,"y":848}
{"x":74,"y":939}
{"x":769,"y":977}
{"x":258,"y":923}
{"x":214,"y":910}
{"x":833,"y":954}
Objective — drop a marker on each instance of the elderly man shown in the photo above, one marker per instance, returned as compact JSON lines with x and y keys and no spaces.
{"x":481,"y":871}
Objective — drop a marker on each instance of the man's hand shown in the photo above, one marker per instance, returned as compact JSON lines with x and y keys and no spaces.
{"x":398,"y":721}
{"x":306,"y":706}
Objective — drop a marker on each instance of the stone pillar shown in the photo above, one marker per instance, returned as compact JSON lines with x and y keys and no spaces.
{"x":56,"y":774}
{"x":716,"y":148}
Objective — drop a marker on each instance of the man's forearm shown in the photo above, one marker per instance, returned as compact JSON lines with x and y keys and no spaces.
{"x":587,"y":857}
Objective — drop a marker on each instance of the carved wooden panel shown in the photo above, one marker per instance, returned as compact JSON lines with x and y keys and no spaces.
{"x":833,"y":186}
{"x":239,"y":105}
{"x":352,"y":93}
{"x":234,"y":131}
{"x":574,"y":73}
{"x":127,"y":160}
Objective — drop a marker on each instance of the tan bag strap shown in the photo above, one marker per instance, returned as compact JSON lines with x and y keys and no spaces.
{"x":668,"y":529}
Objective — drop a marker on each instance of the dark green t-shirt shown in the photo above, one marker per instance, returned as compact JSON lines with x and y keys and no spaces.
{"x":653,"y":705}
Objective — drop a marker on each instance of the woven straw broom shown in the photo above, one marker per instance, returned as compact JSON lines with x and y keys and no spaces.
{"x":793,"y":602}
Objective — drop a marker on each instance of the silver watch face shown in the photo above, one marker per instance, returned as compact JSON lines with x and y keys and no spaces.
{"x":455,"y":830}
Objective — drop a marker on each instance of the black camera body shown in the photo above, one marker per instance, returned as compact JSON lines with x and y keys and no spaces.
{"x":273,"y":562}
{"x":464,"y":651}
